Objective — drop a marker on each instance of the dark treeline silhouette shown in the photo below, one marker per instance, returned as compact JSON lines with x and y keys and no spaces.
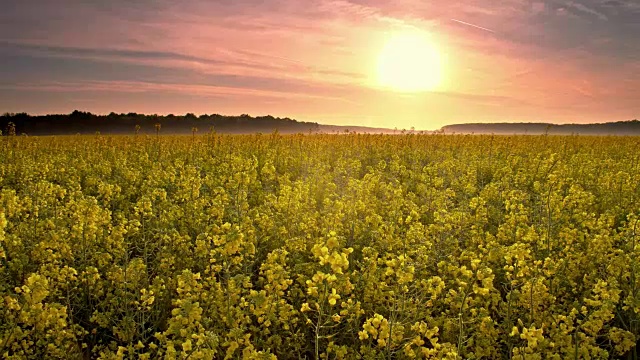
{"x":79,"y":122}
{"x":631,"y":127}
{"x":88,"y":123}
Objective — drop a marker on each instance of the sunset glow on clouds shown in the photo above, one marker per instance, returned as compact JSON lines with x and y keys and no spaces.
{"x":510,"y":60}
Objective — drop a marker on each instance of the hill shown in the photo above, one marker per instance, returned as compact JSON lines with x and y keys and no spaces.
{"x":631,"y":127}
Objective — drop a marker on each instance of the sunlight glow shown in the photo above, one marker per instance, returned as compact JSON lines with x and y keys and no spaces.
{"x":410,"y":62}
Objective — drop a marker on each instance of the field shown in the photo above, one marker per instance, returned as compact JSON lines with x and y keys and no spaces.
{"x":319,"y":246}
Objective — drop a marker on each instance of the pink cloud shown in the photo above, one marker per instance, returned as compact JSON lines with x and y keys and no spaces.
{"x":325,"y":51}
{"x":142,"y":87}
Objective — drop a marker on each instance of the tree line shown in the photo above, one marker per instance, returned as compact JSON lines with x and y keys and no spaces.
{"x":87,"y":123}
{"x":631,"y":127}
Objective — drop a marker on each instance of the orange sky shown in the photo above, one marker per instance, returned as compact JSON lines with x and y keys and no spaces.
{"x":514,"y":60}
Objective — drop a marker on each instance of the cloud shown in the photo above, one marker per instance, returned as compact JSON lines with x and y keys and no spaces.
{"x":247,"y":64}
{"x":320,"y":52}
{"x":145,"y":87}
{"x":538,"y":7}
{"x":585,"y":9}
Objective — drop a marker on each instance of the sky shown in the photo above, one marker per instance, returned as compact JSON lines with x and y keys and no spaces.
{"x":559,"y":61}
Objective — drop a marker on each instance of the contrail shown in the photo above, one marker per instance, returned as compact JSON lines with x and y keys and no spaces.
{"x":475,"y":26}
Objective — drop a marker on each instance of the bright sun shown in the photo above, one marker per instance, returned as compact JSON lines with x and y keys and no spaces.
{"x":409,"y":62}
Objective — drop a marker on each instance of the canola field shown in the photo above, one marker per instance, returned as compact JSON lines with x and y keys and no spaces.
{"x":319,"y":247}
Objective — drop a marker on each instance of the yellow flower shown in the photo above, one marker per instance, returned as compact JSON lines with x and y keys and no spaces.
{"x":186,"y":346}
{"x":514,"y":331}
{"x":333,"y":297}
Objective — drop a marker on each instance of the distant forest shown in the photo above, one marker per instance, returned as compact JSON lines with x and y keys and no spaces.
{"x":631,"y":127}
{"x":88,"y":123}
{"x":80,"y":122}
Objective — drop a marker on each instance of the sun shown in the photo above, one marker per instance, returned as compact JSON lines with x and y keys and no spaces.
{"x":410,"y":62}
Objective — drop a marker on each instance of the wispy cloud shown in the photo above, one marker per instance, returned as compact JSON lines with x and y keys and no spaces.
{"x":586,"y":9}
{"x":144,"y":87}
{"x":221,"y":61}
{"x":505,"y":59}
{"x":473,"y":25}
